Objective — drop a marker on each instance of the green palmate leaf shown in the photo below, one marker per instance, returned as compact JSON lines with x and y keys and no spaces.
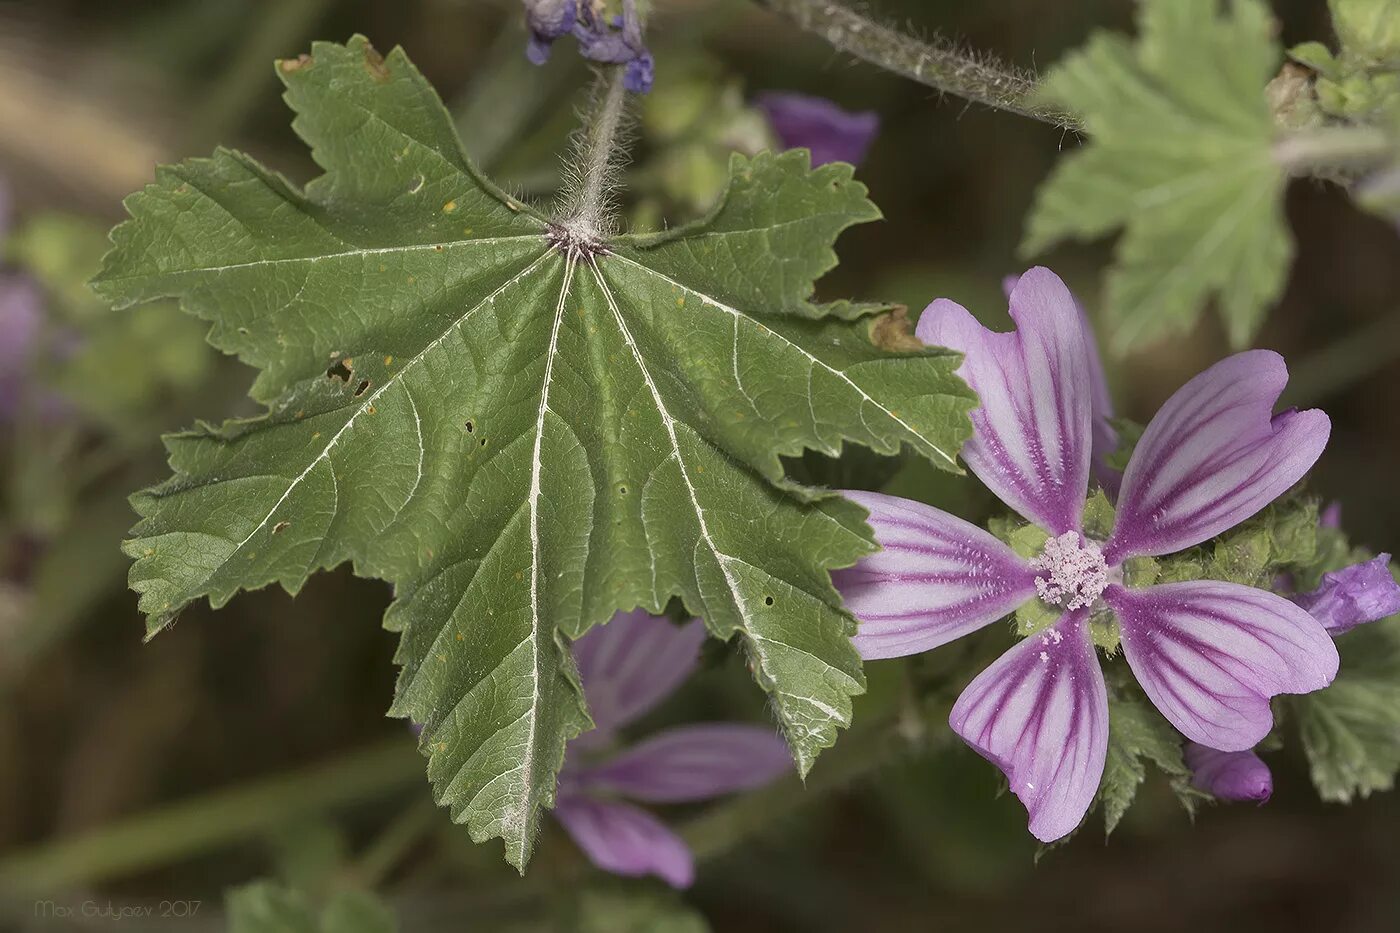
{"x":1351,"y":730}
{"x":1137,"y":734}
{"x":1179,"y":157}
{"x":521,"y":431}
{"x":268,"y":907}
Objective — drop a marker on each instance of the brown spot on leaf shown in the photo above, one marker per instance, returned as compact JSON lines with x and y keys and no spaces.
{"x":290,"y":65}
{"x":893,"y":331}
{"x":280,"y":527}
{"x":374,"y":64}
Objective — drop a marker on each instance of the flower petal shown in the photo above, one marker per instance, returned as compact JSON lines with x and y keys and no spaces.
{"x":1213,"y":456}
{"x":815,"y":123}
{"x":1105,"y":437}
{"x":1354,"y":595}
{"x":1031,"y":433}
{"x":694,"y":763}
{"x":1229,"y":775}
{"x":633,"y":663}
{"x":1040,"y":714}
{"x":937,"y":579}
{"x":625,"y":840}
{"x":1211,"y":654}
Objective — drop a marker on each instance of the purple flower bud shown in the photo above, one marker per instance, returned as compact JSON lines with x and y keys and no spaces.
{"x":639,"y":74}
{"x":1354,"y":595}
{"x":1229,"y":775}
{"x":814,"y":123}
{"x":547,"y":21}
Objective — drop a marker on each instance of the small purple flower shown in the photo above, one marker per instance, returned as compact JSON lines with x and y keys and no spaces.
{"x":628,"y":667}
{"x":616,"y":43}
{"x":547,"y":21}
{"x":1331,"y":516}
{"x":1209,"y":654}
{"x":1353,"y":596}
{"x":1229,"y":775}
{"x":816,"y":124}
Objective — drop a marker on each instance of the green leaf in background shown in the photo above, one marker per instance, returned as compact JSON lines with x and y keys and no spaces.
{"x":1178,"y":156}
{"x":268,"y":907}
{"x":634,"y":909}
{"x":1351,"y":730}
{"x":521,"y":439}
{"x":1137,"y":734}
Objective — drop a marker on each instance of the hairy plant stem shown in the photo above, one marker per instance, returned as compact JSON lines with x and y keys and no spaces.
{"x":936,"y":63}
{"x":596,"y":153}
{"x":1329,"y":151}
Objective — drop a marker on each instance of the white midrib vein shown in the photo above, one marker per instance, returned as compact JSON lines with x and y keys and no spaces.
{"x":344,"y":254}
{"x":812,"y":360}
{"x":525,"y":804}
{"x":369,"y":400}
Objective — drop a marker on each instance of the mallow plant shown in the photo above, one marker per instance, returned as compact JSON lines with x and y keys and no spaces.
{"x":570,"y":447}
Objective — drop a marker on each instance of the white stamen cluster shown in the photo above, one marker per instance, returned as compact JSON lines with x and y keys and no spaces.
{"x":1073,"y":573}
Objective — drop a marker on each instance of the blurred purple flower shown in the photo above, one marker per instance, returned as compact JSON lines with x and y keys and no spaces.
{"x":1229,"y":775}
{"x":628,"y":667}
{"x":816,"y":124}
{"x":612,"y":43}
{"x":1331,"y":516}
{"x":1352,"y":596}
{"x":547,"y":21}
{"x":21,"y":322}
{"x":1209,"y":654}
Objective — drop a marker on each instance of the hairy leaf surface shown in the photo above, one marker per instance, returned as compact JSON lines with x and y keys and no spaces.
{"x":1180,"y":157}
{"x":522,"y":432}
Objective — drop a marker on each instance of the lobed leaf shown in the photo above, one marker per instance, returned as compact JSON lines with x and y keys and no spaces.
{"x":1179,"y":158}
{"x":523,"y":433}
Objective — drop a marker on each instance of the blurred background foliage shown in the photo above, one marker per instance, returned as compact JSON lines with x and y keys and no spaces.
{"x":253,"y":743}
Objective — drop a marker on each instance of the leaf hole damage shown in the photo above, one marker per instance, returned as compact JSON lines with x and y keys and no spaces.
{"x":280,"y":527}
{"x":767,"y":600}
{"x":339,"y":370}
{"x":360,"y":389}
{"x":470,"y":426}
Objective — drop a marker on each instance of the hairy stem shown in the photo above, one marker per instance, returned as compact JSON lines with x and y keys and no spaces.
{"x":595,"y":157}
{"x":936,"y":63}
{"x":1334,"y":150}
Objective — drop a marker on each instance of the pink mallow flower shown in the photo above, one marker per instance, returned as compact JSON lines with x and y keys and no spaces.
{"x":1209,"y":654}
{"x":628,"y":667}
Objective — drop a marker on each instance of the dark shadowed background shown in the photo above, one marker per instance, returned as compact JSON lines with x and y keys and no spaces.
{"x":252,"y":742}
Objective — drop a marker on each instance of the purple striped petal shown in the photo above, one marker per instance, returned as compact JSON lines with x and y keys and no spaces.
{"x":816,"y":124}
{"x":1040,"y":714}
{"x":1229,"y":775}
{"x":1105,"y":437}
{"x":1031,"y":433}
{"x":625,"y":840}
{"x":1211,"y":654}
{"x":937,"y":579}
{"x":632,"y":663}
{"x":697,"y":762}
{"x":1353,"y":596}
{"x":1213,"y":456}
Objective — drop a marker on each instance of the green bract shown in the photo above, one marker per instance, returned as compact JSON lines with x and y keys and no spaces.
{"x":521,"y":437}
{"x":1179,"y":156}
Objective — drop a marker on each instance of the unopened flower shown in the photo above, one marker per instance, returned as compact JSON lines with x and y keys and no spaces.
{"x":616,"y":42}
{"x":628,"y":667}
{"x":1209,"y":654}
{"x":1229,"y":775}
{"x":548,"y":20}
{"x":816,"y":124}
{"x":1352,"y":596}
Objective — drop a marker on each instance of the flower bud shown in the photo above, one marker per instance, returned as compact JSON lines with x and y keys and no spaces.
{"x":1229,"y":775}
